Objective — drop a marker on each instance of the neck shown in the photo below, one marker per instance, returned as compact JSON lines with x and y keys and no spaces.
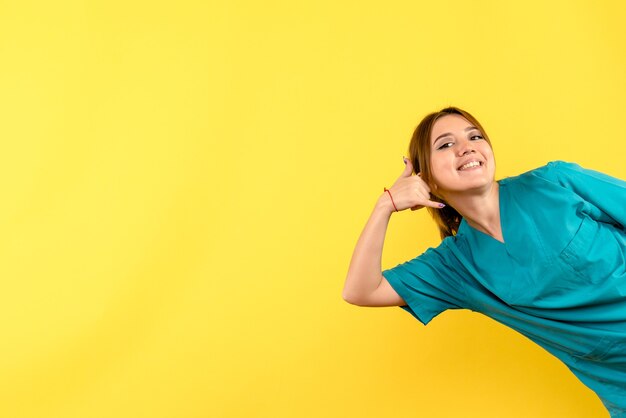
{"x":480,"y":209}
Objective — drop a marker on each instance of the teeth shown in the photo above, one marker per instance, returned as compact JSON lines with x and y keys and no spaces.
{"x":469,"y":165}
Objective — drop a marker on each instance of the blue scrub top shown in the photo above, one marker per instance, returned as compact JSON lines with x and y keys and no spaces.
{"x":559,"y":278}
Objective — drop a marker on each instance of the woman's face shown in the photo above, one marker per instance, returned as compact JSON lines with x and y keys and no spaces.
{"x":460,"y":158}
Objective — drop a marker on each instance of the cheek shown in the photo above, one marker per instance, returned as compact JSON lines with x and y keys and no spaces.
{"x":441,"y":163}
{"x":487,"y":151}
{"x":439,"y":173}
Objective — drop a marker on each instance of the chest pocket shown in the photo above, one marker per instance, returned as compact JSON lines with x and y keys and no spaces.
{"x":591,"y":255}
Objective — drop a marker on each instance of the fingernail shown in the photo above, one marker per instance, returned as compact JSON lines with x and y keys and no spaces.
{"x":404,"y":159}
{"x":441,"y":205}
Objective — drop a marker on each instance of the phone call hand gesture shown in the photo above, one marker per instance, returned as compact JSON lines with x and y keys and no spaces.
{"x":411,"y":191}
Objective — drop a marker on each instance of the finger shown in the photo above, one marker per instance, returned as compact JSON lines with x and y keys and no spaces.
{"x":435,"y":205}
{"x":408,"y":168}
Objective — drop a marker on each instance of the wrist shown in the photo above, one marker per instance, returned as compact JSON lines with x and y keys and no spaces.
{"x":384,"y":204}
{"x":395,"y":208}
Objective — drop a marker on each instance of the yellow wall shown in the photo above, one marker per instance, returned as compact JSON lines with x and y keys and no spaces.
{"x":183,"y":184}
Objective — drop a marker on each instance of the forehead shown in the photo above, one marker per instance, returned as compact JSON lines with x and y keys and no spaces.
{"x":449,"y":123}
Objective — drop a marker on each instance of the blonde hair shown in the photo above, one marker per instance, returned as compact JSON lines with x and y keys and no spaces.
{"x":447,"y":219}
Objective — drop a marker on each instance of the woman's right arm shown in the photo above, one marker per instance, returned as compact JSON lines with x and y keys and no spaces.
{"x":365,"y":284}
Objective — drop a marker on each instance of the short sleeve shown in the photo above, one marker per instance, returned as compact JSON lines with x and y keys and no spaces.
{"x":606,"y":193}
{"x":428,"y":284}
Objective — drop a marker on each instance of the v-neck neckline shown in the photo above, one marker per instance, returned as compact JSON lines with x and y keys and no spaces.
{"x":465,"y":225}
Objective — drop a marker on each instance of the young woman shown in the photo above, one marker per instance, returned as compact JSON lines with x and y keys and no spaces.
{"x":543,"y":252}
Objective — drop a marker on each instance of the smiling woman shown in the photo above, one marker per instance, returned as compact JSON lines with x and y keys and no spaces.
{"x":542,"y":252}
{"x":457,"y":163}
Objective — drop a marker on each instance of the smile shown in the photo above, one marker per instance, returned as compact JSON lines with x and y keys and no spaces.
{"x":469,"y":165}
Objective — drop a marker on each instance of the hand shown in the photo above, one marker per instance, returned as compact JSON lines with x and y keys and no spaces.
{"x":411,"y":191}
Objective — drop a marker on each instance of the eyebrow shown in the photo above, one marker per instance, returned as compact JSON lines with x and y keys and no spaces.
{"x":469,"y":128}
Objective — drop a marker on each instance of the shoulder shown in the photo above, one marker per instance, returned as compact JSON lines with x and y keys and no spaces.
{"x":434,"y":259}
{"x":551,"y":171}
{"x":567,"y":173}
{"x":554,"y":169}
{"x":434,"y":255}
{"x":559,"y":166}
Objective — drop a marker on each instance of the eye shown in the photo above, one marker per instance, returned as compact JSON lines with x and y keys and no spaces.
{"x":446,"y":145}
{"x":476,"y":136}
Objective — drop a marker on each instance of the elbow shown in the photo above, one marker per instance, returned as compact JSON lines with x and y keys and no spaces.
{"x":347,"y":298}
{"x":351,"y":299}
{"x":354,"y":294}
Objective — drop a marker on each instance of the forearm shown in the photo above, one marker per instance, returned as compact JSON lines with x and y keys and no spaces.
{"x":364,"y":274}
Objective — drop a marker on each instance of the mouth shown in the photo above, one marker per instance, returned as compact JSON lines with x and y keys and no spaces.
{"x":471,"y":165}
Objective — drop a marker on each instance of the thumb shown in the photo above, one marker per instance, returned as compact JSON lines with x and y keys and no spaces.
{"x":408,"y":170}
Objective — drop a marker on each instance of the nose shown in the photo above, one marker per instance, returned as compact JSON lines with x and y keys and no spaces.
{"x":466,"y":147}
